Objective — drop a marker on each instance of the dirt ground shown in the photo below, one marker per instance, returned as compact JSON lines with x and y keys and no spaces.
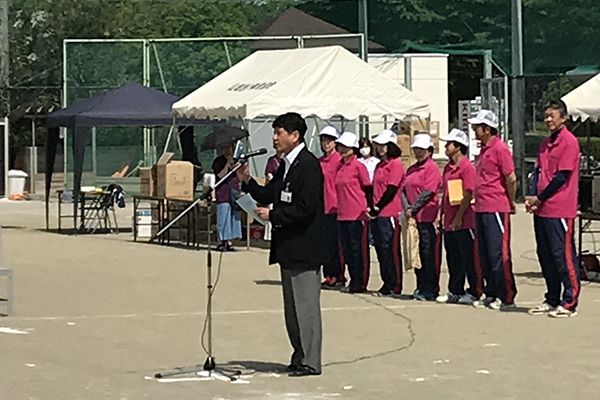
{"x":96,"y":316}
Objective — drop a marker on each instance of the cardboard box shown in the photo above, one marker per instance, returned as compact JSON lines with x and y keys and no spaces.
{"x":407,"y":161}
{"x":434,"y":131}
{"x":147,"y":183}
{"x":404,"y":128}
{"x":174,"y":179}
{"x":404,"y":142}
{"x":419,"y":125}
{"x":412,"y":126}
{"x":435,"y":138}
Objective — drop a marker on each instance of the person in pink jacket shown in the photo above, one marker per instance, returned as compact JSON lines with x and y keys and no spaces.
{"x":385,"y":225}
{"x":334,"y":267}
{"x":420,"y":201}
{"x":354,"y":194}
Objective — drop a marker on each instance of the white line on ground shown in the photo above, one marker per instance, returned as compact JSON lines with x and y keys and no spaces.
{"x":12,"y":331}
{"x":233,"y":312}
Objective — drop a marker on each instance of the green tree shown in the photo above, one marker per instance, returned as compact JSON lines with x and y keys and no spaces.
{"x":38,"y":27}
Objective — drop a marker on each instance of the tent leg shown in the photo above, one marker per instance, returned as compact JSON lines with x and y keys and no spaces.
{"x":168,"y":139}
{"x":94,"y":155}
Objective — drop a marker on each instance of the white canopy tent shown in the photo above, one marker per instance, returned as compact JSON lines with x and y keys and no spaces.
{"x":583,"y":102}
{"x":322,"y":82}
{"x":325,"y":83}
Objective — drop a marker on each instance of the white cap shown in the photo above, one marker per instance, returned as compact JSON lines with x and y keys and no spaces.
{"x":348,"y":139}
{"x":422,"y":141}
{"x":330,"y":131}
{"x":485,"y":117}
{"x":385,"y":136}
{"x":456,"y":135}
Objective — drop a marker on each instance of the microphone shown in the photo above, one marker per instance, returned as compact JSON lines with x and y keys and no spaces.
{"x":253,"y":153}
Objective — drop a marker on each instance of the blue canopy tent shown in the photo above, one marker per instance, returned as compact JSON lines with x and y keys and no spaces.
{"x":129,"y":105}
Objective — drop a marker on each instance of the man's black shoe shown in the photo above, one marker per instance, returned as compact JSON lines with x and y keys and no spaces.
{"x":303,"y":371}
{"x":292,"y":368}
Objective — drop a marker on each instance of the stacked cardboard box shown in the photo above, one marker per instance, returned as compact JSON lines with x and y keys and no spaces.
{"x":408,"y":129}
{"x":168,"y":179}
{"x":147,"y":182}
{"x":434,"y":131}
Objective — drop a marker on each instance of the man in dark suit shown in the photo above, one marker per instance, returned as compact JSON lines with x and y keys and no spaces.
{"x":296,"y":192}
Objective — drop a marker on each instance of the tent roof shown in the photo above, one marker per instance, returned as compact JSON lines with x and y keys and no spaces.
{"x":130,"y":104}
{"x":324,"y":82}
{"x":294,"y":22}
{"x":584,"y":101}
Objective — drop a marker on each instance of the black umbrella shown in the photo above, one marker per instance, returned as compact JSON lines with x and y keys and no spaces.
{"x":222,"y":136}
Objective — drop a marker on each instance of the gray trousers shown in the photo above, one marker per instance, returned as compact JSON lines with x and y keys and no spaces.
{"x":302,"y":310}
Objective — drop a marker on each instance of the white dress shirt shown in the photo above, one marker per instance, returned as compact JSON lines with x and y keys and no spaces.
{"x":371,"y":163}
{"x":290,"y":157}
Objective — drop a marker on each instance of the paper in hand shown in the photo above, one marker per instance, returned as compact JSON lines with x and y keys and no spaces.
{"x":247,"y":203}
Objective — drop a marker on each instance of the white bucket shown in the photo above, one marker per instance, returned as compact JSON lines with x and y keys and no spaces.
{"x":16,"y":181}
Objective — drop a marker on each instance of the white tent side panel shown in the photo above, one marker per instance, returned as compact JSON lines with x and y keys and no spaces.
{"x":584,"y":101}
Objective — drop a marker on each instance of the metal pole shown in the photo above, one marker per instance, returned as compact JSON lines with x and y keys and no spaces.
{"x":216,"y":39}
{"x":408,"y":72}
{"x":6,"y":164}
{"x":32,"y":159}
{"x":64,"y":104}
{"x":94,"y":155}
{"x":363,"y":27}
{"x":146,"y":82}
{"x":160,"y":71}
{"x":518,"y":95}
{"x":4,"y":54}
{"x":227,"y":54}
{"x":487,"y":65}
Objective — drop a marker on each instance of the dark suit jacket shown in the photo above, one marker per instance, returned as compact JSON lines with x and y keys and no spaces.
{"x":296,"y":240}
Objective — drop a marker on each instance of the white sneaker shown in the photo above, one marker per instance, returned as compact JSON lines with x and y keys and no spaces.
{"x":541,"y":309}
{"x":467,"y":298}
{"x":483,"y":303}
{"x":495,"y":305}
{"x":498,"y":305}
{"x":561,"y":312}
{"x":448,"y":298}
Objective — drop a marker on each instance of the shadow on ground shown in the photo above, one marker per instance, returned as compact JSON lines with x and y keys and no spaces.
{"x":268,"y":282}
{"x":249,"y":367}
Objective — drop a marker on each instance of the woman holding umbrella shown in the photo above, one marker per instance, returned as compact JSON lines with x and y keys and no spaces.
{"x":229,"y":226}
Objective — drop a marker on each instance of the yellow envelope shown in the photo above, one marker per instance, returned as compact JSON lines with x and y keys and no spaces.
{"x":455,"y":191}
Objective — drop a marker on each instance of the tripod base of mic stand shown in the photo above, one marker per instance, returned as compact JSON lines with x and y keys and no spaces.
{"x":209,"y":366}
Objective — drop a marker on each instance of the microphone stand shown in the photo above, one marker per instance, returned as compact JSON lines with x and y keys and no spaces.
{"x":209,"y":364}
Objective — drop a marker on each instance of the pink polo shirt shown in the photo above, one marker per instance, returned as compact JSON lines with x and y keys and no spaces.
{"x":493,"y":164}
{"x":388,"y":172}
{"x":329,"y":166}
{"x":351,"y":178}
{"x":465,"y":171}
{"x":419,"y":177}
{"x":562,"y":155}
